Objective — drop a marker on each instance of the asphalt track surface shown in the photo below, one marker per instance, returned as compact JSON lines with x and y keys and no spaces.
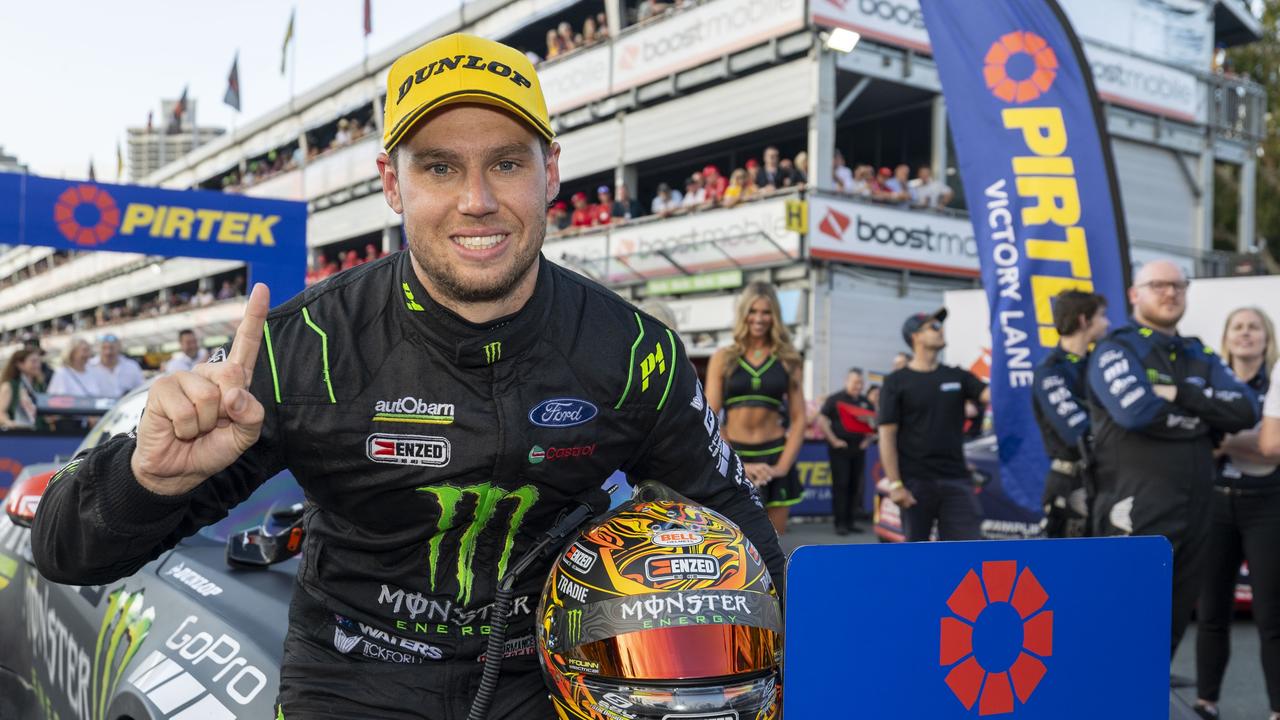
{"x":1244,"y":695}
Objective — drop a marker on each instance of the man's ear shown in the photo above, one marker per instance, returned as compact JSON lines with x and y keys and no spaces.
{"x":553,"y":171}
{"x":390,"y":182}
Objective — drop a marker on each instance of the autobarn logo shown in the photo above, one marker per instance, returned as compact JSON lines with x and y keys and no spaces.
{"x":420,"y":450}
{"x":682,"y":567}
{"x":410,"y":409}
{"x":676,"y":538}
{"x":836,"y":225}
{"x":579,"y":558}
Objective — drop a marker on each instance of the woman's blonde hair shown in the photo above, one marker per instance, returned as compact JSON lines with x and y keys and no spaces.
{"x":70,"y":350}
{"x":779,"y":336}
{"x":1270,"y":354}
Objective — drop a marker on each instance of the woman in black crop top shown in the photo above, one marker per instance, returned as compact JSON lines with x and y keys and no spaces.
{"x":756,"y":381}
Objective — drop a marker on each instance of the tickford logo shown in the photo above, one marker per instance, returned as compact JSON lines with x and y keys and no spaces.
{"x":732,"y":20}
{"x":447,"y":64}
{"x":836,"y":225}
{"x":410,"y":409}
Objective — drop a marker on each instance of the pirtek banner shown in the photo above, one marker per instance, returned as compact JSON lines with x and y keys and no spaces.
{"x":269,"y":235}
{"x":1009,"y":630}
{"x":1042,"y":192}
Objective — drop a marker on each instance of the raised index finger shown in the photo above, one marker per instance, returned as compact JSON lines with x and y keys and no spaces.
{"x":248,"y":339}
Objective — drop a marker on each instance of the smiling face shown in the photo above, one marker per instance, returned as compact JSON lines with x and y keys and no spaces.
{"x":760,"y":319}
{"x":1246,"y":336}
{"x":473,"y":184}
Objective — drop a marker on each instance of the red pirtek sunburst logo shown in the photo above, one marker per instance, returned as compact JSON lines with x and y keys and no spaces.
{"x":997,"y":639}
{"x":1019,"y":47}
{"x":86,"y":215}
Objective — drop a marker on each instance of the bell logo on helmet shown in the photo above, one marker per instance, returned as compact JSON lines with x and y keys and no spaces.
{"x":676,"y":538}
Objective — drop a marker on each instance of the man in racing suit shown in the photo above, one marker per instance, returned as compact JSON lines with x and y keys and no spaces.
{"x":441,"y":408}
{"x":1159,"y":402}
{"x":1062,"y":412}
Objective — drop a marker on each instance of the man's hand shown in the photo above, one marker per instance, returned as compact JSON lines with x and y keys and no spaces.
{"x":758,"y":473}
{"x":901,"y":496}
{"x":197,"y":423}
{"x":1168,"y":392}
{"x":838,"y":443}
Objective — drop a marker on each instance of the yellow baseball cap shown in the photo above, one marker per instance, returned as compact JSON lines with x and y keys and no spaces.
{"x":462,"y":68}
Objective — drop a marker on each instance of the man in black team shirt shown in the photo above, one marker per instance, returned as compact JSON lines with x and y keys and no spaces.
{"x":922,"y":437}
{"x":845,"y":421}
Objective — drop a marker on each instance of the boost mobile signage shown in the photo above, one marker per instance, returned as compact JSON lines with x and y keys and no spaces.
{"x":879,"y":235}
{"x":268,"y":235}
{"x":1043,"y":197}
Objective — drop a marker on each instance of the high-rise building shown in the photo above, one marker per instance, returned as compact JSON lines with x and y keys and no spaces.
{"x":9,"y":163}
{"x":166,"y":138}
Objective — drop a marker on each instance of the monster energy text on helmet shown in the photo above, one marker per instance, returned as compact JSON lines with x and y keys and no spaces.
{"x":662,"y":610}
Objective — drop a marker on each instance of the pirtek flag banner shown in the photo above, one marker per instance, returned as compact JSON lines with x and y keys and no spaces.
{"x":1015,"y":629}
{"x":269,"y":235}
{"x":1043,"y":198}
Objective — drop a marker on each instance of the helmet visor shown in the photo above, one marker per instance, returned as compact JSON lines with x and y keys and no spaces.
{"x":683,"y":652}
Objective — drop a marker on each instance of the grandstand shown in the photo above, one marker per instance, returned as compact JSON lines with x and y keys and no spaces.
{"x":654,"y":94}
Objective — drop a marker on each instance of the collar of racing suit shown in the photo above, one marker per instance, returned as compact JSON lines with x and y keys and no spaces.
{"x":469,"y":344}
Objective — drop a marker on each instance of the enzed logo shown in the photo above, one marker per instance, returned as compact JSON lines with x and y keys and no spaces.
{"x":422,"y":450}
{"x":682,"y":567}
{"x":996,"y":638}
{"x":124,"y":626}
{"x":579,"y":558}
{"x":487,"y":498}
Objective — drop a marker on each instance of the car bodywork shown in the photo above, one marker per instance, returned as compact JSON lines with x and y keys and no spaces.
{"x":185,"y":637}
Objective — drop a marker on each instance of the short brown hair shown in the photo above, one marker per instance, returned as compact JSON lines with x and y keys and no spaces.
{"x":1069,"y":305}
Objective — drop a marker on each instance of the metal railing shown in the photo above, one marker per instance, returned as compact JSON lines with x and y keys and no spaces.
{"x":1237,"y":108}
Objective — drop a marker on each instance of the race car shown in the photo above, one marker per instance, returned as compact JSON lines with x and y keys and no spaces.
{"x":187,"y":637}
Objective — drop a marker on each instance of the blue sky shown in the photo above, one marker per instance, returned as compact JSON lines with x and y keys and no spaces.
{"x":75,"y":73}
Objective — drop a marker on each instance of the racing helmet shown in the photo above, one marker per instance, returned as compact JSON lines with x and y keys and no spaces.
{"x":661,"y":610}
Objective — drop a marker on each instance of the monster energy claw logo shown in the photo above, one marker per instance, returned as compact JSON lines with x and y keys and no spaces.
{"x":492,"y":352}
{"x":487,"y":498}
{"x":573,"y":627}
{"x":124,"y":616}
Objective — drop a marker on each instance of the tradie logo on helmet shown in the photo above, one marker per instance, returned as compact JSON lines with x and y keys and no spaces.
{"x":997,"y":637}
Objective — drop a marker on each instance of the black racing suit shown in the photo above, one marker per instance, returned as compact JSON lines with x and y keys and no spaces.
{"x":433,"y":453}
{"x":1155,"y":466}
{"x":1061,"y":411}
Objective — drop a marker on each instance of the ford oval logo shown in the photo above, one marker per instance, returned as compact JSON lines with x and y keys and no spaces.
{"x":562,"y":412}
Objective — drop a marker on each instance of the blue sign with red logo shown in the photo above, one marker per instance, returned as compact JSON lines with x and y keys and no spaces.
{"x":1042,"y":629}
{"x":269,"y":235}
{"x":1043,"y":198}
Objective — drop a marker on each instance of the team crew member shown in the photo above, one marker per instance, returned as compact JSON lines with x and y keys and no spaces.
{"x":120,"y":373}
{"x":756,"y":381}
{"x":922,"y":437}
{"x":1156,"y":399}
{"x":1244,"y":527}
{"x":441,"y":407}
{"x":1062,"y":412}
{"x":844,"y":422}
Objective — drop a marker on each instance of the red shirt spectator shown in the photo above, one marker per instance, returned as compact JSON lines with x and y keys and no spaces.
{"x":582,"y":214}
{"x":602,"y":212}
{"x":714,"y":183}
